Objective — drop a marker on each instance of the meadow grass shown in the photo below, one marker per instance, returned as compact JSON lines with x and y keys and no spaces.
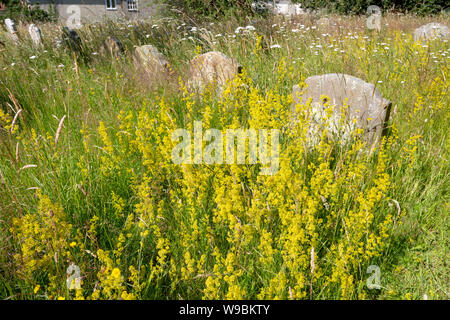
{"x":98,"y":189}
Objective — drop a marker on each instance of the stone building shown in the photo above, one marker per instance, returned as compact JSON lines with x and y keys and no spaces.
{"x":97,"y":10}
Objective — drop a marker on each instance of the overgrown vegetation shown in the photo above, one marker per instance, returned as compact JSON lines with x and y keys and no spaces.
{"x":22,"y":11}
{"x":86,"y":177}
{"x":360,"y":6}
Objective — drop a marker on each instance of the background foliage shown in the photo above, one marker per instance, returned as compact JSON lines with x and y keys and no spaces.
{"x":221,"y":7}
{"x":360,"y":6}
{"x":19,"y":10}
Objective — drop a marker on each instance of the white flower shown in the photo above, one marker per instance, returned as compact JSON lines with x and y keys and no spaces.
{"x":13,"y":64}
{"x":94,"y":53}
{"x":60,"y":66}
{"x":275,"y":46}
{"x":251,"y":28}
{"x":238,"y":29}
{"x":147,"y":36}
{"x":33,"y":57}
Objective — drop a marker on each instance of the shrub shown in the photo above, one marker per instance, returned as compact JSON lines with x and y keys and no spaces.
{"x":360,"y":6}
{"x":15,"y":9}
{"x":211,"y":8}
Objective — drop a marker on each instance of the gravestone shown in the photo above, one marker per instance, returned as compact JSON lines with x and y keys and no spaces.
{"x":35,"y":34}
{"x":72,"y":40}
{"x":367,"y":109}
{"x":211,"y":68}
{"x":12,"y":31}
{"x":112,"y":47}
{"x":432,"y":31}
{"x":150,"y":59}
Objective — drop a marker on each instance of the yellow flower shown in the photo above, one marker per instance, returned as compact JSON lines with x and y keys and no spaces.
{"x":36,"y":289}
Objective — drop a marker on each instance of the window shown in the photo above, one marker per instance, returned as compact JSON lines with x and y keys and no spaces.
{"x":132,"y":5}
{"x":110,"y":4}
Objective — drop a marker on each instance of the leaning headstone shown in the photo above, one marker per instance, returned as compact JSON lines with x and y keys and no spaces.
{"x":72,"y":39}
{"x":149,"y":58}
{"x":35,"y":34}
{"x":112,"y":47}
{"x":432,"y":31}
{"x":366,"y":108}
{"x":211,"y":68}
{"x":11,"y":27}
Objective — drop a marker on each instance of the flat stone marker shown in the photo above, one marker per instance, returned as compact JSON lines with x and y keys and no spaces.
{"x":432,"y":31}
{"x":12,"y":31}
{"x":35,"y":34}
{"x":211,"y":68}
{"x":365,"y":104}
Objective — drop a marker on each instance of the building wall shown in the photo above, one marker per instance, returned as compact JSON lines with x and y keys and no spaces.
{"x":95,"y":10}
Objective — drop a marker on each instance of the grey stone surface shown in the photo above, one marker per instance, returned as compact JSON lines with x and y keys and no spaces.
{"x":95,"y":10}
{"x":211,"y":68}
{"x":11,"y":28}
{"x":35,"y":34}
{"x":72,"y":39}
{"x":148,"y":58}
{"x":365,"y":104}
{"x":432,"y":31}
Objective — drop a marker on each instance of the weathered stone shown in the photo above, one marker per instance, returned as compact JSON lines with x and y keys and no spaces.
{"x":12,"y":31}
{"x":211,"y":68}
{"x":35,"y":34}
{"x":112,"y":47}
{"x":365,"y":104}
{"x":72,"y":39}
{"x":150,"y":59}
{"x":432,"y":31}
